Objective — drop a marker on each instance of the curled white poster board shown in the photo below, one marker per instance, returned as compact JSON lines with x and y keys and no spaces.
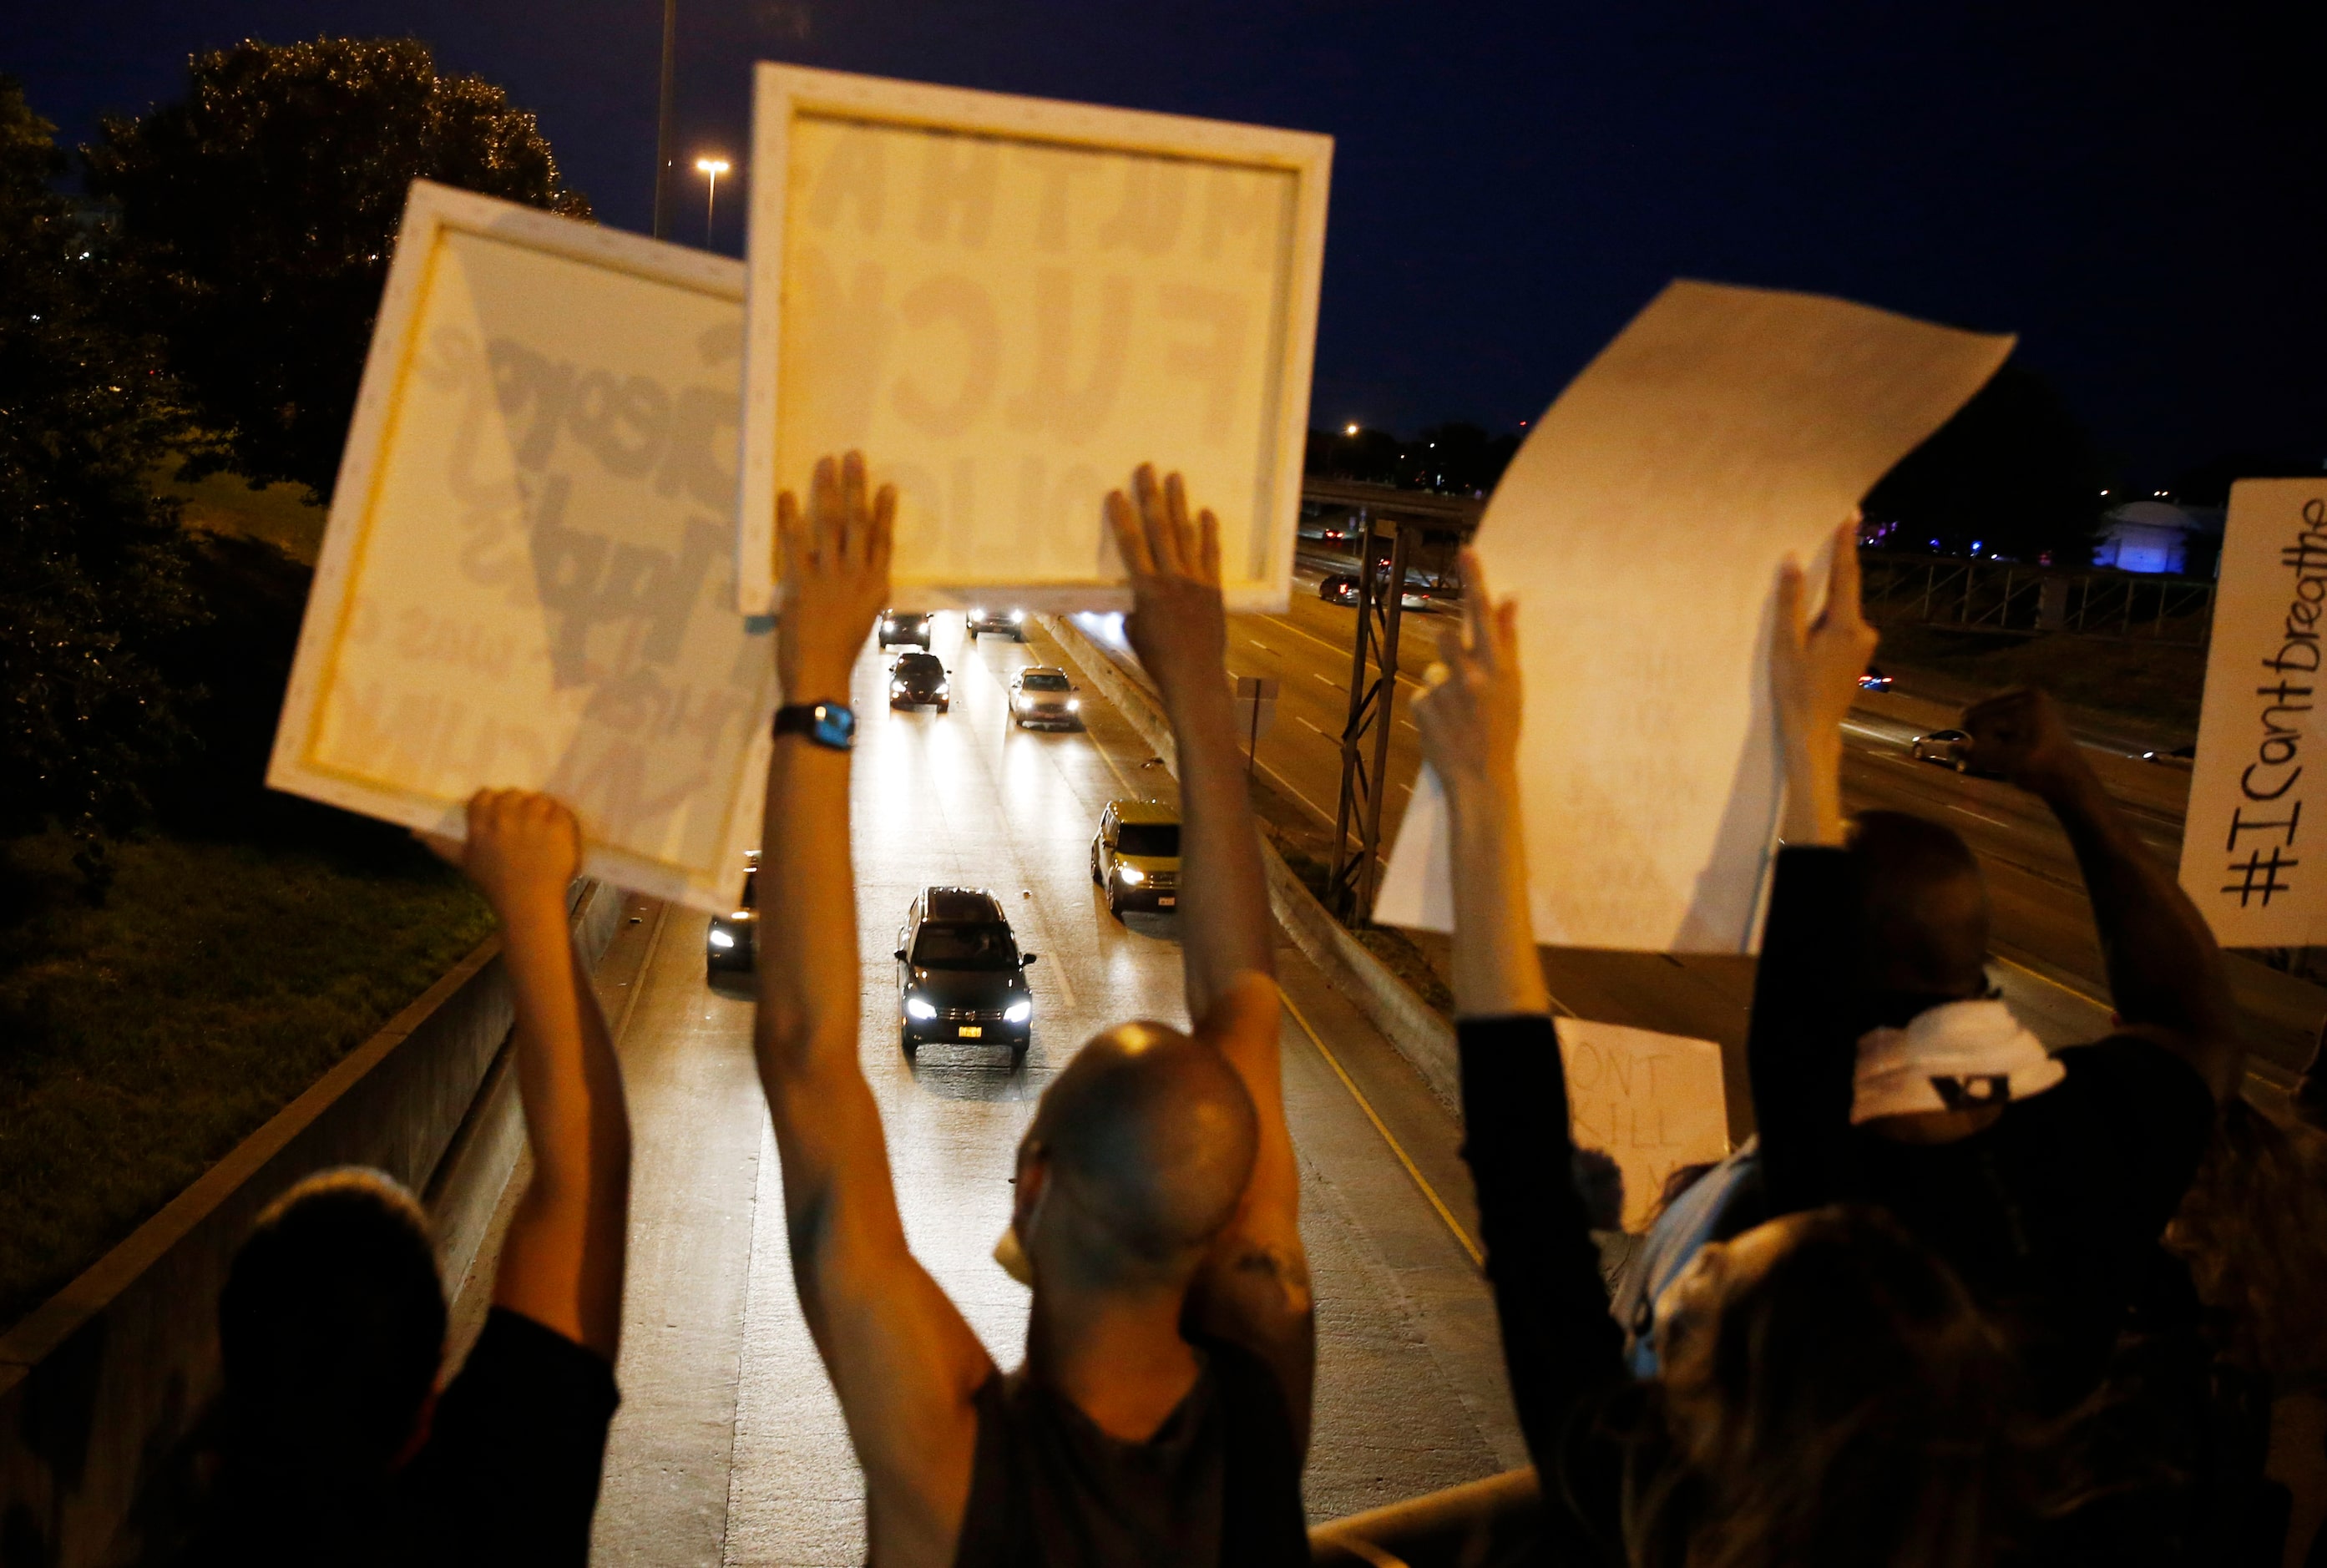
{"x":1006,"y":304}
{"x":2249,"y":858}
{"x":1640,"y":528}
{"x":526,"y":580}
{"x":1652,"y":1102}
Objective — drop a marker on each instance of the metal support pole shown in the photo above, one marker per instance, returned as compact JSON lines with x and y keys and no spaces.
{"x":1373,"y":689}
{"x":662,"y":121}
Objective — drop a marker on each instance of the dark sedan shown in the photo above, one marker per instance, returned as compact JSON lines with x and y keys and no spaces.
{"x":919,"y":680}
{"x":960,"y":975}
{"x":730,"y":943}
{"x":905,"y":626}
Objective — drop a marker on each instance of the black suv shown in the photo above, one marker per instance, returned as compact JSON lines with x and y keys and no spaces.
{"x":919,"y":680}
{"x":960,"y":974}
{"x":731,"y":942}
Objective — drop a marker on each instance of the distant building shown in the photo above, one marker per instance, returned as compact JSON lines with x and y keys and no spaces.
{"x":2159,"y":536}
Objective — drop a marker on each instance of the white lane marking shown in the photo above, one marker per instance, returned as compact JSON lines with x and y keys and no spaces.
{"x":1333,"y":684}
{"x":1408,"y":723}
{"x":1345,"y":653}
{"x":1311,"y":728}
{"x":1983,"y":817}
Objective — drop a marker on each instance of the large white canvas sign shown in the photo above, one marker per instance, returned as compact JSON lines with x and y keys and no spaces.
{"x":1006,"y":304}
{"x":528,"y":576}
{"x":2250,"y":861}
{"x":1640,"y":528}
{"x":1652,"y":1102}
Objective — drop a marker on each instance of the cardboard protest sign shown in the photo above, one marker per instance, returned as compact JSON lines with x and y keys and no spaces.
{"x":1006,"y":304}
{"x":1652,"y":1102}
{"x":1640,"y":528}
{"x":2249,"y":859}
{"x":526,"y":580}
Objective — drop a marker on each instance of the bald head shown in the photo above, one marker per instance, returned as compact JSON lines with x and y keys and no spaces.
{"x":1149,"y":1139}
{"x":1922,"y":907}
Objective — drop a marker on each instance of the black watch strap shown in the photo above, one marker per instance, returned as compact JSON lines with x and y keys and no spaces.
{"x":832,"y":724}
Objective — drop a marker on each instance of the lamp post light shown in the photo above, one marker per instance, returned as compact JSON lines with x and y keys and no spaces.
{"x":714,"y":168}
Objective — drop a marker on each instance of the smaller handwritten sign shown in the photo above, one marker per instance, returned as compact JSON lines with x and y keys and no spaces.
{"x":2249,"y":859}
{"x":1652,"y":1102}
{"x":528,"y":578}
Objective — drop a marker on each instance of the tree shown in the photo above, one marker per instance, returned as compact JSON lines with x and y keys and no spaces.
{"x":2013,"y":471}
{"x":92,"y":568}
{"x":261,"y":210}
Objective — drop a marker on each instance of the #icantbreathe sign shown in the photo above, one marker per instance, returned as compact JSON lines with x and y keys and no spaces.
{"x":2250,"y":860}
{"x":529,"y":576}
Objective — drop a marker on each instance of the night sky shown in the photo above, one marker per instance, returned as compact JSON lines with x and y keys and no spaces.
{"x":2139,"y":192}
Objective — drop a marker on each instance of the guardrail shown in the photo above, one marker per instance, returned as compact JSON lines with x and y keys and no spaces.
{"x":2004,"y":597}
{"x":103,"y":1385}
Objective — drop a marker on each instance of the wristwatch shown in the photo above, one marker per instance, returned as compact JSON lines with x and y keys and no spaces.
{"x":830,"y":724}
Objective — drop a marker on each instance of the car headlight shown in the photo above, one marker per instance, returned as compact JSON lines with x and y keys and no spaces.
{"x":888,"y":626}
{"x":1074,"y":704}
{"x":1018,"y":615}
{"x":917,"y":1008}
{"x":978,"y":614}
{"x":896,"y":688}
{"x":1131,"y":874}
{"x":944,"y":686}
{"x":722,"y":939}
{"x":1018,"y":1013}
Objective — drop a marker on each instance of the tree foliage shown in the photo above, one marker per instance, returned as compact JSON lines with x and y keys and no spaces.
{"x":2013,"y":471}
{"x":261,"y":210}
{"x":92,"y":570}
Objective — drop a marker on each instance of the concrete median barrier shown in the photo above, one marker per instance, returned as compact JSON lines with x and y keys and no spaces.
{"x":102,"y":1386}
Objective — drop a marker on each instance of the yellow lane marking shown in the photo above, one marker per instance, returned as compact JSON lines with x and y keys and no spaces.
{"x":1469,"y":1246}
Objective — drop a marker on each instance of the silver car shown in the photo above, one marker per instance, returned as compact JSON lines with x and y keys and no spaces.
{"x":1948,"y":748}
{"x":1041,"y":695}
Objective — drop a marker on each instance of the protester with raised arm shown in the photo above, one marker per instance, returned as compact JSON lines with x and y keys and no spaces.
{"x":339,"y":1448}
{"x":1163,"y":1407}
{"x":1830,"y":1394}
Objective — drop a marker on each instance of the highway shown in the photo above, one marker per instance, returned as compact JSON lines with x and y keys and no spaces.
{"x":729,"y":1449}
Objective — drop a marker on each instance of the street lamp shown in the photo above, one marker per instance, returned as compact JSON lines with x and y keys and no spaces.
{"x":712,"y":167}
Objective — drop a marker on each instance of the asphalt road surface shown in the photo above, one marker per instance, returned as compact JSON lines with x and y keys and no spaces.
{"x":2049,"y":958}
{"x":729,"y":1447}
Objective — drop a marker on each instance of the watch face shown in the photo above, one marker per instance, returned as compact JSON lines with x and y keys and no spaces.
{"x":835,"y":725}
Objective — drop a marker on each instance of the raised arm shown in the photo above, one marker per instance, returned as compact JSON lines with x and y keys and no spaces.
{"x":1180,"y":632}
{"x":1560,"y":1345}
{"x":1801,"y":1053}
{"x":2166,"y":979}
{"x":902,"y":1361}
{"x":561,"y":1263}
{"x":1254,"y":1286}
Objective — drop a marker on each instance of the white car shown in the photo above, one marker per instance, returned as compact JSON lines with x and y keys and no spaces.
{"x":1041,"y":695}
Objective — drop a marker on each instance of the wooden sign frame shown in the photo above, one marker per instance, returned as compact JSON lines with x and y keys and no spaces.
{"x":437,"y":218}
{"x":788,"y":96}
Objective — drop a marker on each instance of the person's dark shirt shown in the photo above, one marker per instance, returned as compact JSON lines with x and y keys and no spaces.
{"x":2051,"y":1215}
{"x":509,"y":1473}
{"x":1562,"y":1351}
{"x":1218,"y":1482}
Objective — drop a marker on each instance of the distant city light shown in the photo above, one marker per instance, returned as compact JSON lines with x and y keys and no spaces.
{"x":1348,"y":430}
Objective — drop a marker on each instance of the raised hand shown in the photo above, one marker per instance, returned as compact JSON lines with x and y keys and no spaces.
{"x":1469,"y":718}
{"x":2021,"y":735}
{"x":835,"y":567}
{"x":1814,"y":670}
{"x":1177,"y":626}
{"x":522,"y":851}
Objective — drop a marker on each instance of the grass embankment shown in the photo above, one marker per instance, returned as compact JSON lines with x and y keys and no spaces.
{"x":246,"y":943}
{"x":2149,"y":683}
{"x":148,"y":1036}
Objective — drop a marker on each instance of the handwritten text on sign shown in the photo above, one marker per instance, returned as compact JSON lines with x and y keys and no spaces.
{"x":544,"y":597}
{"x":2244,"y":850}
{"x":1007,"y":327}
{"x":1652,"y":1102}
